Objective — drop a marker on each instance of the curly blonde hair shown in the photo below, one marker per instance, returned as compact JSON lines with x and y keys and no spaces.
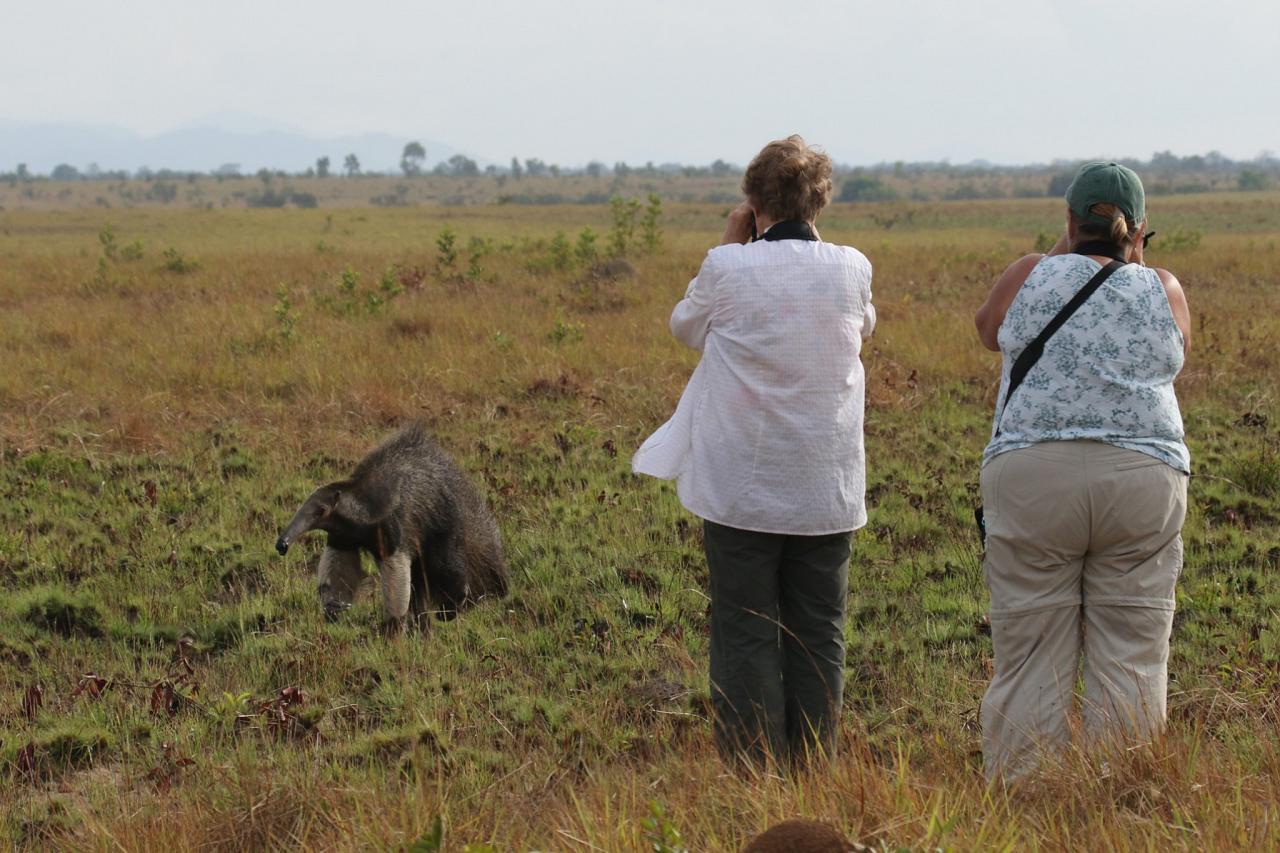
{"x":789,"y":180}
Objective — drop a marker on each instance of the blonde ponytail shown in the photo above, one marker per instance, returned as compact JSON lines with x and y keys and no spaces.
{"x":1120,"y":228}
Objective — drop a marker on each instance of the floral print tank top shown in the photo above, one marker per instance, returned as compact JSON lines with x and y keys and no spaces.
{"x":1106,"y":375}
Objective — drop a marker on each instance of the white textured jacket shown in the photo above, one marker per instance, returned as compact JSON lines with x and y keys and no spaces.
{"x":768,"y":434}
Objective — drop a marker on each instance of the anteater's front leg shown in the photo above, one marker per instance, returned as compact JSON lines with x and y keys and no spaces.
{"x":396,"y":574}
{"x":338,"y":575}
{"x":420,"y":607}
{"x":449,"y":583}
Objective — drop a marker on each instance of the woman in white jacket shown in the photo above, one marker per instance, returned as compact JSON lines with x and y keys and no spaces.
{"x":766,"y":447}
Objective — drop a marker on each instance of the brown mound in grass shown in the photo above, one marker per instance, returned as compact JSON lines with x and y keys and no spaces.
{"x":799,"y":835}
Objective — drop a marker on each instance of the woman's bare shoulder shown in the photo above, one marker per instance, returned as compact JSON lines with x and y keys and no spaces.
{"x":1177,"y":304}
{"x":1167,"y":278}
{"x":991,"y":315}
{"x":1022,"y":267}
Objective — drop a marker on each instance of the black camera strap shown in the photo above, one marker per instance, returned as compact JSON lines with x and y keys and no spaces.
{"x":1028,"y":357}
{"x":787,"y":229}
{"x":1102,"y":249}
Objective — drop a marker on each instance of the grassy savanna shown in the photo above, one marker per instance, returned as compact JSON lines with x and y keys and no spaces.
{"x":176,"y":381}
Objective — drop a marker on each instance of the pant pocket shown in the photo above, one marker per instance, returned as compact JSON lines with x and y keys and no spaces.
{"x":1145,"y":462}
{"x":989,"y":488}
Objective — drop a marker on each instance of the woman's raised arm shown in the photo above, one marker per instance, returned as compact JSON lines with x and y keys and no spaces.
{"x":991,"y":315}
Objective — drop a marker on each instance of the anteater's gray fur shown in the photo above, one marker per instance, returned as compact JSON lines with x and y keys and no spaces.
{"x":435,"y":541}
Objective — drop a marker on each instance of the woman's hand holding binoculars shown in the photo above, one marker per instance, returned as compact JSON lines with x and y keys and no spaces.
{"x":739,"y":227}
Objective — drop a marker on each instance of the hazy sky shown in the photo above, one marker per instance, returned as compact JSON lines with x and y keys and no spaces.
{"x":572,"y":80}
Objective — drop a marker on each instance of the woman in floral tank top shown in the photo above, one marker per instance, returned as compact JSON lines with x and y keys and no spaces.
{"x":1084,"y":483}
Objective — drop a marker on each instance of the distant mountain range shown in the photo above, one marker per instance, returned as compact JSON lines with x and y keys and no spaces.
{"x":203,"y":146}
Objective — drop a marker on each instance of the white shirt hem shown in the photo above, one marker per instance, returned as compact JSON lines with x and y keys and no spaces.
{"x":858,"y":524}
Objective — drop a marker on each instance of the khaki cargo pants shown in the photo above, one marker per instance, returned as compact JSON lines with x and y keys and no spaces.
{"x":1084,"y":547}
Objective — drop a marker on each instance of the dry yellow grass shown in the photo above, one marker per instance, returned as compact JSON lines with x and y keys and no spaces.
{"x":543,"y":730}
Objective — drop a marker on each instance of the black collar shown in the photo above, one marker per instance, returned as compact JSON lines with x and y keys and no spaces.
{"x":1102,"y":249}
{"x":788,"y":229}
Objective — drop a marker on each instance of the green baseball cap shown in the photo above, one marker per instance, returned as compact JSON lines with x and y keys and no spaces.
{"x":1100,"y":182}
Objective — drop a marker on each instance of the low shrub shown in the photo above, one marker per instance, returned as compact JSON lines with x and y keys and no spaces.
{"x":57,"y":611}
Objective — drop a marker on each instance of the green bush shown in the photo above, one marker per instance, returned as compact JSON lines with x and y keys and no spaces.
{"x":1178,"y":240}
{"x":1250,"y":181}
{"x":447,"y":248}
{"x":623,"y":212}
{"x":286,"y":318}
{"x":584,"y":252}
{"x":1259,"y":472}
{"x":866,"y":188}
{"x":650,"y":229}
{"x":54,"y":609}
{"x":176,"y":263}
{"x":68,"y":747}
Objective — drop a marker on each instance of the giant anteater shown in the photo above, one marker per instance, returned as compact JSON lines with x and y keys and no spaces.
{"x":434,"y":539}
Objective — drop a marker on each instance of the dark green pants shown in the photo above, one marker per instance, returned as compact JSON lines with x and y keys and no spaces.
{"x":777,"y":640}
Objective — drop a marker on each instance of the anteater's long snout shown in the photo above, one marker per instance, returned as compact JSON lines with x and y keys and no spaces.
{"x":302,"y":522}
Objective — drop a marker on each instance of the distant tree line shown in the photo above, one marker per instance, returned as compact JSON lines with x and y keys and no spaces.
{"x":1164,"y":172}
{"x":412,"y":164}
